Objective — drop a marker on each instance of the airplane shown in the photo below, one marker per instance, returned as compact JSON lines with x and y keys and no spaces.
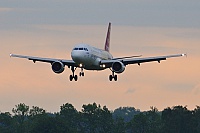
{"x":88,"y":57}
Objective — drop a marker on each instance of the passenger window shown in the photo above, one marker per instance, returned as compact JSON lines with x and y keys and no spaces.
{"x":75,"y":48}
{"x":80,"y":48}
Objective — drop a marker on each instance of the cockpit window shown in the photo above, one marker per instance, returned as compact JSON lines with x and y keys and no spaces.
{"x":85,"y":49}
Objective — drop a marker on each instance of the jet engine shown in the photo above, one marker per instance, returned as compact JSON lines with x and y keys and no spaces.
{"x":118,"y":67}
{"x":58,"y":67}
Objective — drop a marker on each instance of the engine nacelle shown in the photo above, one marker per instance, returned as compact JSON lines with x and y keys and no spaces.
{"x":58,"y":67}
{"x":118,"y":67}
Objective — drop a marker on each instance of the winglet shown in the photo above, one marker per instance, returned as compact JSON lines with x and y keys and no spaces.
{"x":107,"y":43}
{"x":184,"y":55}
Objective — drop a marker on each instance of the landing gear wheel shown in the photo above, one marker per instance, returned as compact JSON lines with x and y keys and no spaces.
{"x":110,"y":77}
{"x":115,"y":77}
{"x":70,"y":77}
{"x":75,"y":77}
{"x":81,"y":74}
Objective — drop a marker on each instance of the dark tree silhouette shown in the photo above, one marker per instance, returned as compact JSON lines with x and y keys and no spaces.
{"x":96,"y":119}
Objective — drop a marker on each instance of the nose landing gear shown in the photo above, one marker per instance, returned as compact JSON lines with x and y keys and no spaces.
{"x":81,"y":73}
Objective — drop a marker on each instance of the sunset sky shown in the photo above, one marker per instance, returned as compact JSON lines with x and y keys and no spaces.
{"x":50,"y":28}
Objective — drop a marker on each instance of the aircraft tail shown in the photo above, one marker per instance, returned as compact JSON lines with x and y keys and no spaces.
{"x":107,"y":43}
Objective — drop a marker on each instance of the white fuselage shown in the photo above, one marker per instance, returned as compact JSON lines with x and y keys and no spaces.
{"x":89,"y":57}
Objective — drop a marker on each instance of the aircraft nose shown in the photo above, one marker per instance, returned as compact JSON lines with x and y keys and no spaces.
{"x":76,"y":56}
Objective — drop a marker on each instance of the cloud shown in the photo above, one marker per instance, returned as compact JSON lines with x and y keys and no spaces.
{"x":5,"y":9}
{"x":130,"y":91}
{"x":138,"y":12}
{"x":196,"y":89}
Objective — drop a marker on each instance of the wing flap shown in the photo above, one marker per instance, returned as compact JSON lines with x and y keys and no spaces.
{"x":142,"y":60}
{"x":139,"y":60}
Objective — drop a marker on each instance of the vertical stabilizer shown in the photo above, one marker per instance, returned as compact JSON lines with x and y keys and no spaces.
{"x":107,"y":43}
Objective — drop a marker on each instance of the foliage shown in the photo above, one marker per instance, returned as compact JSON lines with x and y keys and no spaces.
{"x":177,"y":120}
{"x":127,"y":113}
{"x":96,"y":119}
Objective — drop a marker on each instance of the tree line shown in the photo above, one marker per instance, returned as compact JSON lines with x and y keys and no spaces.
{"x":96,"y":119}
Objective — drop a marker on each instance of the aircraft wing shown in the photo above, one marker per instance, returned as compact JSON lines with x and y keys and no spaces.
{"x":108,"y":63}
{"x":47,"y":60}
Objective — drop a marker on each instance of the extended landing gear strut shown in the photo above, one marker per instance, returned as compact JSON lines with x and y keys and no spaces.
{"x":71,"y":77}
{"x":81,"y":73}
{"x":113,"y":76}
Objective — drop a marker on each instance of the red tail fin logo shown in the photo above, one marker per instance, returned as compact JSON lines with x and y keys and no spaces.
{"x":107,"y":43}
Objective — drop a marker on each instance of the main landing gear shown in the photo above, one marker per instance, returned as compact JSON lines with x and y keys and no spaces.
{"x":113,"y":76}
{"x":71,"y":77}
{"x":75,"y":77}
